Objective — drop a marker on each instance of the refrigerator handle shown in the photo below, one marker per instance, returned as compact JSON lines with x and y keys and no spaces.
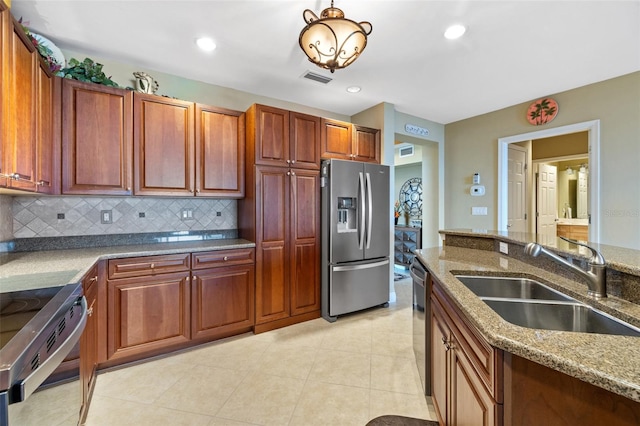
{"x":361,"y":227}
{"x":369,"y":211}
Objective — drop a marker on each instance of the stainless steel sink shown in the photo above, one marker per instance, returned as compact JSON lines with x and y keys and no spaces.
{"x":560,"y":316}
{"x":510,"y":288}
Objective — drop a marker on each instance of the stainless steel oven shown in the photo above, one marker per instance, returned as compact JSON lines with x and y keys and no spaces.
{"x":422,"y":321}
{"x":38,"y":328}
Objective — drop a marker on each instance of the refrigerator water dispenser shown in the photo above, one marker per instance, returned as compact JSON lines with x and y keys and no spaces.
{"x":347,"y":214}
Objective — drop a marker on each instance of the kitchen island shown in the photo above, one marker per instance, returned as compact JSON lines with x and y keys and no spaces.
{"x":608,"y":362}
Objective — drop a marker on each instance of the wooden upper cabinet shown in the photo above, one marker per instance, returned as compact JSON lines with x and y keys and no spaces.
{"x":268,"y":134}
{"x":336,"y":139}
{"x":304,"y":141}
{"x":366,"y":144}
{"x":47,"y":147}
{"x":20,"y":134}
{"x":347,"y":141}
{"x":96,"y":139}
{"x":163,"y":146}
{"x":220,"y":142}
{"x":277,"y":137}
{"x":5,"y":17}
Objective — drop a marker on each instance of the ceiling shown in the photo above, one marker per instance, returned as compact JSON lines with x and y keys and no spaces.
{"x":513,"y":51}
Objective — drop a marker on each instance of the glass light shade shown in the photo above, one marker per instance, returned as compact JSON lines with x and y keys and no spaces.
{"x":332,"y":41}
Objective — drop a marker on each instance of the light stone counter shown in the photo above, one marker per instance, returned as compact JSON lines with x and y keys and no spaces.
{"x":39,"y":269}
{"x":610,"y":362}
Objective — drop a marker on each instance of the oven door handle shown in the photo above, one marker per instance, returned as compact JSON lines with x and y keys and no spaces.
{"x":29,"y":384}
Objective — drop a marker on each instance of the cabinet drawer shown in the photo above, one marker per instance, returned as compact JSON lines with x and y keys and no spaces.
{"x":485,"y":359}
{"x":148,"y":265}
{"x":214,"y":259}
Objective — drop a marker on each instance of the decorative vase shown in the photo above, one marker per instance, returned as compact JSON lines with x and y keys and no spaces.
{"x":406,"y":218}
{"x":396,"y":220}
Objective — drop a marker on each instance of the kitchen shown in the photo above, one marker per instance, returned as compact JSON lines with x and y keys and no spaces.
{"x":468,"y":150}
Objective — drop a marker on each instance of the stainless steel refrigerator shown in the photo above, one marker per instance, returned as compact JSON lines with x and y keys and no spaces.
{"x":355,"y":236}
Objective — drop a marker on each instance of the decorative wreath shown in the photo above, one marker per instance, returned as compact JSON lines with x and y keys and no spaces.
{"x":411,"y":196}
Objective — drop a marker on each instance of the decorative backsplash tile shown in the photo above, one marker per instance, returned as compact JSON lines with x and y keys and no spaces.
{"x":66,"y":216}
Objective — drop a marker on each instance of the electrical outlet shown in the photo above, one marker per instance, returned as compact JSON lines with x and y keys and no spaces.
{"x":60,"y":215}
{"x":106,"y":216}
{"x":141,"y":214}
{"x":186,"y":214}
{"x":218,"y":213}
{"x":504,"y":248}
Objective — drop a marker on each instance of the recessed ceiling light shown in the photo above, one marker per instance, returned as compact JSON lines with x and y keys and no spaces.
{"x":353,"y":89}
{"x":454,"y":31}
{"x":206,"y":44}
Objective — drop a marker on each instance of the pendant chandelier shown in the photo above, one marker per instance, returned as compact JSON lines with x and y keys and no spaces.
{"x":332,"y":41}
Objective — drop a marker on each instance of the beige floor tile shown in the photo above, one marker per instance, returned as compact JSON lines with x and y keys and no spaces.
{"x":329,"y":404}
{"x":226,"y":422}
{"x":400,"y":404}
{"x":106,"y":411}
{"x":342,"y":368}
{"x":306,"y":335}
{"x":263,"y":399}
{"x":393,"y":344}
{"x":395,"y":374}
{"x":287,"y":361}
{"x":58,"y":404}
{"x":234,"y":354}
{"x":202,"y":390}
{"x":142,"y":383}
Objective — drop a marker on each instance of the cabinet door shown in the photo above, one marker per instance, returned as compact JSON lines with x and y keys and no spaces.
{"x":305,"y":141}
{"x":220,"y":141}
{"x":271,"y":136}
{"x":336,"y":139}
{"x":163,"y":146}
{"x":222,"y":301}
{"x":272,"y":247}
{"x":440,"y":347}
{"x":147,"y":314}
{"x":96,"y":139}
{"x":89,"y":338}
{"x":366,"y":144}
{"x":5,"y":17}
{"x":19,"y":141}
{"x":471,"y":403}
{"x":305,"y":241}
{"x":46,"y":179}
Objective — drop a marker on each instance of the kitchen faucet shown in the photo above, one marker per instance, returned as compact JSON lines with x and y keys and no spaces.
{"x":596,"y":276}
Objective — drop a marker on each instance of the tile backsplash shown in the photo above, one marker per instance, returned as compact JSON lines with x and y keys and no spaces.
{"x":67,"y":216}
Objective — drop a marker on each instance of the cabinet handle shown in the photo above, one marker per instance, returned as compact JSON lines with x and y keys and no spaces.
{"x":197,"y":190}
{"x":225,"y":258}
{"x":293,"y":161}
{"x":446,"y":344}
{"x":129,"y":188}
{"x":153,"y":265}
{"x":42,"y":183}
{"x":92,"y":279}
{"x":293,"y":173}
{"x":288,"y":161}
{"x":288,"y":173}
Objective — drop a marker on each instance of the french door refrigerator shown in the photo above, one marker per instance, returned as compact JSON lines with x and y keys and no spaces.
{"x":355,"y":236}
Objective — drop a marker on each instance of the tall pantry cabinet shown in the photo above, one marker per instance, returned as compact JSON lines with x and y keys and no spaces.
{"x":281,"y":214}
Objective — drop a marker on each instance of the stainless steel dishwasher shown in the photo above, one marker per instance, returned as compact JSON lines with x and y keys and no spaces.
{"x":422,"y":321}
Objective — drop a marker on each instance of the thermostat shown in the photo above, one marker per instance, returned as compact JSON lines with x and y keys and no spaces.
{"x":477,"y":190}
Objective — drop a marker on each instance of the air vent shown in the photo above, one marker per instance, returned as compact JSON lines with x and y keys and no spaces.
{"x":316,"y":77}
{"x":51,"y":341}
{"x":406,"y":151}
{"x":62,"y":325}
{"x":35,"y":361}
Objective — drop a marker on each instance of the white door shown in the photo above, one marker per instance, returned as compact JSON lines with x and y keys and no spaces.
{"x":517,"y":220}
{"x":582,"y":212}
{"x":547,"y":200}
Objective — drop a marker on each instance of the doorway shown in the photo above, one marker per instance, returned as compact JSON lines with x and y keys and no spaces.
{"x":593,"y":203}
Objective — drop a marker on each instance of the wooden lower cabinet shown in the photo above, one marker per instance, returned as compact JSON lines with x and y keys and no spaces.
{"x":157,"y":304}
{"x":467,"y":372}
{"x":89,"y":340}
{"x":146,"y":315}
{"x":222,"y":301}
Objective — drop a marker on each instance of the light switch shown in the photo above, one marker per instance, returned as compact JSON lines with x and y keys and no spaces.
{"x":479,"y":211}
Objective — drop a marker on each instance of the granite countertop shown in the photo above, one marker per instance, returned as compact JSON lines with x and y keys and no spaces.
{"x":39,"y":269}
{"x":619,"y":258}
{"x":607,"y":361}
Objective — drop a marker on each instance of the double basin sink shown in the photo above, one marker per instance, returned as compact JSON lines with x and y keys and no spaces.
{"x":529,"y":303}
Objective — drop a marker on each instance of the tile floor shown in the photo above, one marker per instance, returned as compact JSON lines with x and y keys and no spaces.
{"x":314,"y":373}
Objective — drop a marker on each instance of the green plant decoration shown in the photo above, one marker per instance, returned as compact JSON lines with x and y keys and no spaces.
{"x":87,"y":71}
